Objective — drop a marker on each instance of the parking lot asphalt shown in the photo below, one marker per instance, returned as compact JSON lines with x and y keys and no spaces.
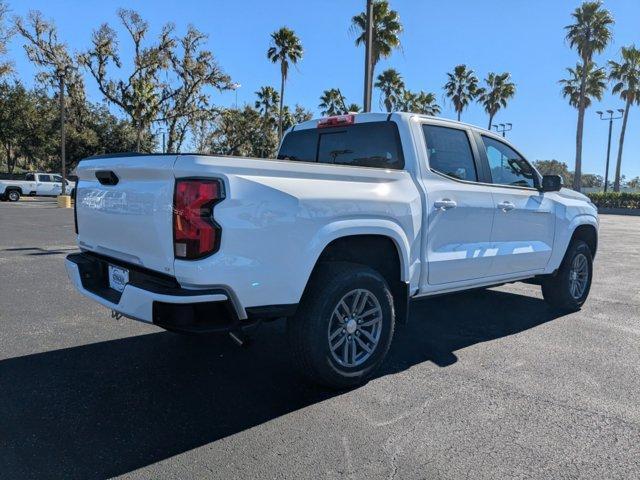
{"x":485,"y":384}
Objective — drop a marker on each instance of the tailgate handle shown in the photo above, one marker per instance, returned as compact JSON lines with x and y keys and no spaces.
{"x":107,"y":177}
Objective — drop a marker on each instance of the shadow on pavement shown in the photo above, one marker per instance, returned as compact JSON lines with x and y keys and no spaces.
{"x":105,"y":409}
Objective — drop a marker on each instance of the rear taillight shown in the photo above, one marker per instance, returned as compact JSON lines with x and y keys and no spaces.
{"x":195,"y":233}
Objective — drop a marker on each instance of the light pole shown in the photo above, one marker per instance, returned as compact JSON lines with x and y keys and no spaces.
{"x":503,"y":128}
{"x":235,"y":86}
{"x":63,"y":159}
{"x":611,"y":118}
{"x":164,"y":144}
{"x":62,"y":73}
{"x":368,"y":67}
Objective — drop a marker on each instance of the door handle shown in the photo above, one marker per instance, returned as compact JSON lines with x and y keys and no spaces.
{"x":506,"y":206}
{"x":445,"y":204}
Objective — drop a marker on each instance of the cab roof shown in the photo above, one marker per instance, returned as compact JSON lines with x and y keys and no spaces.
{"x":384,"y":116}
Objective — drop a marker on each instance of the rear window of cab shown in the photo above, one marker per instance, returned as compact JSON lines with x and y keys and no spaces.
{"x":371,"y":144}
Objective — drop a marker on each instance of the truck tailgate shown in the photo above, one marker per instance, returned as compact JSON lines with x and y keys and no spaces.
{"x":129,"y":215}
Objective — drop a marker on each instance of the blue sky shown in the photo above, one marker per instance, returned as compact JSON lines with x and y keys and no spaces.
{"x":523,"y":37}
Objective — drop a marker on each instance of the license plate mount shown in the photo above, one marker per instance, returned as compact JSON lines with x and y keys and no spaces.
{"x":118,"y":277}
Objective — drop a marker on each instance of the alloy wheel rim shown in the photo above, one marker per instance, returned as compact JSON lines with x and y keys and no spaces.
{"x":578,"y":276}
{"x":13,"y":195}
{"x":355,"y":328}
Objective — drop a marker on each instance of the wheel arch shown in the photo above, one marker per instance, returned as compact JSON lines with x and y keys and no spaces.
{"x":381,"y":247}
{"x":581,"y":227}
{"x":587,"y":233}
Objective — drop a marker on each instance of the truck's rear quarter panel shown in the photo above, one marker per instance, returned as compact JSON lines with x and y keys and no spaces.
{"x":279,"y":215}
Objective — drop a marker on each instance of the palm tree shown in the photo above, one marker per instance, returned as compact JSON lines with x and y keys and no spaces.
{"x":268,"y":99}
{"x":392,"y":87}
{"x":353,"y":107}
{"x":627,"y":77}
{"x":301,"y":114}
{"x":596,"y":83}
{"x":422,"y":102}
{"x":332,"y":102}
{"x":285,"y":48}
{"x":425,"y":104}
{"x":406,"y":101}
{"x":288,"y":118}
{"x":590,"y":33}
{"x":499,"y":90}
{"x":461,"y":88}
{"x":386,"y":31}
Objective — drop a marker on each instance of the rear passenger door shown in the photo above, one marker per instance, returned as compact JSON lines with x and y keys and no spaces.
{"x":57,"y":184}
{"x":524,"y":220}
{"x":44,"y":184}
{"x":460,"y":211}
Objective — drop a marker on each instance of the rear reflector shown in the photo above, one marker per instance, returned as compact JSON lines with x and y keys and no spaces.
{"x":336,"y":121}
{"x":195,"y":233}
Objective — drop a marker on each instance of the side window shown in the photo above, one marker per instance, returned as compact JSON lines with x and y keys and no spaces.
{"x":30,"y":177}
{"x":449,"y":152}
{"x":507,"y":167}
{"x":44,"y":178}
{"x":57,"y":178}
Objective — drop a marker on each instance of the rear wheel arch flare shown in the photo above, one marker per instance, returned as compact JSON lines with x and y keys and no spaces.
{"x":374,"y":250}
{"x":377,"y":251}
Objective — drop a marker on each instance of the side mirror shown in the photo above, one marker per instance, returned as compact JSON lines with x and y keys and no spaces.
{"x":551,"y":183}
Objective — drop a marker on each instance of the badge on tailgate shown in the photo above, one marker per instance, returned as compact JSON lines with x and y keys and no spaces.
{"x":118,"y":277}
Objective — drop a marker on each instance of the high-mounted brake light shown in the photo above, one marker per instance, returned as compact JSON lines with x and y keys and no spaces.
{"x":336,"y":121}
{"x":195,"y":233}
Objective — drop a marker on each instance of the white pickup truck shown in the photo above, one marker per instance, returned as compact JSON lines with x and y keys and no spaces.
{"x":357,"y":216}
{"x":34,"y":184}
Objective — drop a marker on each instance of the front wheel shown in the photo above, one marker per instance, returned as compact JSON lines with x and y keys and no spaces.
{"x":569,"y":288}
{"x":344,"y":325}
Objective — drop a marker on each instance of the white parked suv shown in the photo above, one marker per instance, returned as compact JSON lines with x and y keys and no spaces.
{"x":357,"y":216}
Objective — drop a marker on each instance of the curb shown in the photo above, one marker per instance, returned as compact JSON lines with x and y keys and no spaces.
{"x":619,"y":211}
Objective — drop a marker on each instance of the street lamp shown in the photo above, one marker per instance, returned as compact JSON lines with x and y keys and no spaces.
{"x":235,"y":86}
{"x":503,"y":128}
{"x":163,"y":132}
{"x":611,"y":118}
{"x":62,"y":75}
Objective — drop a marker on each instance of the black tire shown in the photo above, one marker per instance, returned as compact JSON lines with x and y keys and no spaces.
{"x":308,"y":331}
{"x":557,"y":290}
{"x":13,"y":195}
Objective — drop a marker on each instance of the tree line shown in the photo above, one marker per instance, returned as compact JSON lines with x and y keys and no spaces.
{"x":169,"y":87}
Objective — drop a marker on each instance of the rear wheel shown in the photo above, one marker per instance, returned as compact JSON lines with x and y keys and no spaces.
{"x":569,"y":288}
{"x":13,"y":195}
{"x":344,"y":325}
